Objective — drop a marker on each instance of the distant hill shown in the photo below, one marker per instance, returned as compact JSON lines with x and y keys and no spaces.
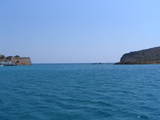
{"x":147,"y":56}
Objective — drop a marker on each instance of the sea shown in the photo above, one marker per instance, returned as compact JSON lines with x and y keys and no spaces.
{"x":80,"y":92}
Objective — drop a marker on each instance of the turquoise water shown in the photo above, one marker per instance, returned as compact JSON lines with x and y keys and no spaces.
{"x":80,"y":92}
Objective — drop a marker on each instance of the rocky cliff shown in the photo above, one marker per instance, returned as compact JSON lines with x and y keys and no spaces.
{"x":147,"y":56}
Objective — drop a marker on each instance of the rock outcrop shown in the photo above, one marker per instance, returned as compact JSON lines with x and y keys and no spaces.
{"x":147,"y":56}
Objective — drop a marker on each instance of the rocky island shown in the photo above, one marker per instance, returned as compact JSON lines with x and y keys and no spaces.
{"x":14,"y":60}
{"x":147,"y":56}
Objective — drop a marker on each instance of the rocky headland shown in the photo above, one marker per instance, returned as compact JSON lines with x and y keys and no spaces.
{"x":147,"y":56}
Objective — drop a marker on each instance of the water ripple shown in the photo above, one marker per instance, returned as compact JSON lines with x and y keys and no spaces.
{"x":80,"y":92}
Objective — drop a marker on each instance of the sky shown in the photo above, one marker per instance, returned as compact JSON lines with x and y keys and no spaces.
{"x":78,"y":31}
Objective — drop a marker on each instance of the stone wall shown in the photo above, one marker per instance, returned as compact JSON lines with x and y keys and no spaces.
{"x":21,"y":60}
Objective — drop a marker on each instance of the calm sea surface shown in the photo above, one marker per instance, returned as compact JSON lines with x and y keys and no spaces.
{"x":80,"y":92}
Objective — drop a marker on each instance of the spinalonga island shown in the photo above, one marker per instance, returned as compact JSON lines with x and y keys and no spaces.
{"x":14,"y":60}
{"x":147,"y":56}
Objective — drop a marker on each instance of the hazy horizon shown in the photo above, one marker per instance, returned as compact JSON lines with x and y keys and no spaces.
{"x":85,"y":31}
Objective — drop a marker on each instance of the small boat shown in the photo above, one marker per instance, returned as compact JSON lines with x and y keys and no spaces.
{"x":97,"y":63}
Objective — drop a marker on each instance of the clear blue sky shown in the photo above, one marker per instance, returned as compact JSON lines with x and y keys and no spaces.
{"x":52,"y":31}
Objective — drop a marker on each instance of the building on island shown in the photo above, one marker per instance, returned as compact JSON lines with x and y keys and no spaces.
{"x":14,"y":60}
{"x":21,"y":60}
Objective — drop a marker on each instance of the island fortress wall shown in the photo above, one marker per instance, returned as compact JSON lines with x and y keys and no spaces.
{"x":21,"y":60}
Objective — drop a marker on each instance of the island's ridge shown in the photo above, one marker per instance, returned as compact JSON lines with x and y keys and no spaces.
{"x":146,"y":56}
